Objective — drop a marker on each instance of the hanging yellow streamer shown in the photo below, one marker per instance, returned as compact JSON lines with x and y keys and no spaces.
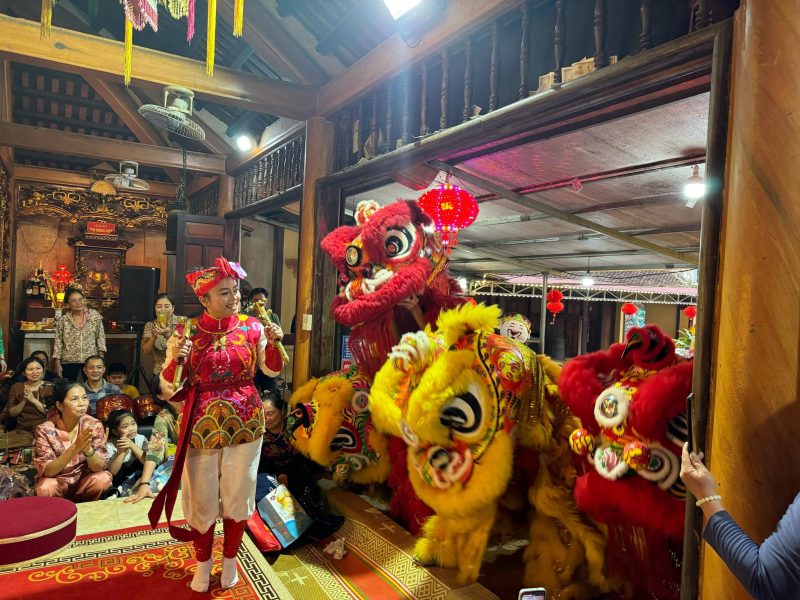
{"x":238,"y":17}
{"x":126,"y":69}
{"x":47,"y":18}
{"x":211,"y":37}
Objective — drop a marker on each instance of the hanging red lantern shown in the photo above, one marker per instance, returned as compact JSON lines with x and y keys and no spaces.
{"x":554,"y":304}
{"x":690,"y":312}
{"x":629,"y":309}
{"x":451,"y":209}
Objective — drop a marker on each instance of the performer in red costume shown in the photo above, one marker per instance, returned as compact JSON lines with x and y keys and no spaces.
{"x":222,"y":422}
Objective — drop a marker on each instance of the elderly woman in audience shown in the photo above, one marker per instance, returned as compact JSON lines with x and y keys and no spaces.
{"x":26,"y":402}
{"x":79,"y":335}
{"x":70,"y":453}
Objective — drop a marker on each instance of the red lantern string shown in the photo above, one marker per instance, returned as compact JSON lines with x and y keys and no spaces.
{"x":451,"y":209}
{"x":690,"y":312}
{"x":554,"y":304}
{"x":629,"y":309}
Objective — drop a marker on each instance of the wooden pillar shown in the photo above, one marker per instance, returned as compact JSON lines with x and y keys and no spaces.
{"x":227,"y":184}
{"x":756,"y":366}
{"x":319,"y":154}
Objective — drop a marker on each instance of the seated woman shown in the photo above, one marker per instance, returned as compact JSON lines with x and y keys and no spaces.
{"x":70,"y":455}
{"x":125,"y":446}
{"x":280,"y":461}
{"x":26,"y":403}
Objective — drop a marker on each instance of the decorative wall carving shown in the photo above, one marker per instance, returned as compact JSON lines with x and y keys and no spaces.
{"x":5,"y":215}
{"x":78,"y":205}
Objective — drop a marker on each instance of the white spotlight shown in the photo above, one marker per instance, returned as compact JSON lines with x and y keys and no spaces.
{"x":695,"y":188}
{"x":244,"y":142}
{"x":462,"y":281}
{"x":587,"y":281}
{"x":398,"y":8}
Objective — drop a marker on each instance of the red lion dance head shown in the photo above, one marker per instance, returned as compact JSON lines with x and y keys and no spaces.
{"x":389,"y":256}
{"x":631,"y":401}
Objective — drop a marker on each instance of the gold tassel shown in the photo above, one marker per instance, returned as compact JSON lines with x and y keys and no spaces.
{"x":47,"y":18}
{"x":126,"y":69}
{"x":238,"y":17}
{"x":211,"y":37}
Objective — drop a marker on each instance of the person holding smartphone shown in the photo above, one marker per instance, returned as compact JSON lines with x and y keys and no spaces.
{"x":70,"y":455}
{"x":770,"y":571}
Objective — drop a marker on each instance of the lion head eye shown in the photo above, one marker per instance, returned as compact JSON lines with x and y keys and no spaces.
{"x":399,"y":241}
{"x":462,"y":414}
{"x":343,"y":440}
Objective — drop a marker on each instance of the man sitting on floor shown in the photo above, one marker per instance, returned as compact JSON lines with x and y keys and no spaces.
{"x":96,"y":387}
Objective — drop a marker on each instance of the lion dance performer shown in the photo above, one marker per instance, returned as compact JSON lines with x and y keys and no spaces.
{"x":215,"y":356}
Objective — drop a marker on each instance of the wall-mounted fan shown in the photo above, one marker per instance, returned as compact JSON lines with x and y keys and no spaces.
{"x":128,"y":177}
{"x":175,"y":112}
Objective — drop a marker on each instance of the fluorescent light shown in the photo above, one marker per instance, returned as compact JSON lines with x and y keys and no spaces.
{"x":244,"y":142}
{"x":397,"y":8}
{"x":587,"y":281}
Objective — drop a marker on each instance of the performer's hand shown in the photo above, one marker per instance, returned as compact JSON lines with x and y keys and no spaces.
{"x":410,"y":303}
{"x":184,"y":348}
{"x":698,"y":479}
{"x":273,"y":332}
{"x":142,"y":492}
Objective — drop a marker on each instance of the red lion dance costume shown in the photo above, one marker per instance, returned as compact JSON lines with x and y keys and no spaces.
{"x":387,"y":258}
{"x":631,"y":401}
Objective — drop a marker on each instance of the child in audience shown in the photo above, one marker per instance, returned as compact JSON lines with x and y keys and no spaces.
{"x":125,"y":446}
{"x":117,"y":374}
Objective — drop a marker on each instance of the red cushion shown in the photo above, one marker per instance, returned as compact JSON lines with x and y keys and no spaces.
{"x":35,"y":526}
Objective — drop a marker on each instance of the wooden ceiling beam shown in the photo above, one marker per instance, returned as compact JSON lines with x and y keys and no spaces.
{"x":279,"y":50}
{"x":128,"y":112}
{"x":394,"y":56}
{"x":45,"y":175}
{"x":561,"y":215}
{"x":76,"y":144}
{"x":71,"y":51}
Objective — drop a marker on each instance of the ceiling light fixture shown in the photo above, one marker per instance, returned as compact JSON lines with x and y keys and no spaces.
{"x":244,"y":142}
{"x":413,"y":18}
{"x":462,"y":281}
{"x":695,"y":187}
{"x":587,"y":281}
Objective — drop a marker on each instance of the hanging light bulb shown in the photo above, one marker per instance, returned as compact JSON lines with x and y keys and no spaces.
{"x":587,"y":281}
{"x":695,"y":187}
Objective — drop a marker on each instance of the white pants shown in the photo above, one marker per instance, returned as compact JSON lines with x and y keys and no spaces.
{"x":219,"y":483}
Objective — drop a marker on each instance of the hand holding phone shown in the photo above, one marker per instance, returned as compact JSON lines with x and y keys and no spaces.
{"x":538,"y":593}
{"x":689,"y":422}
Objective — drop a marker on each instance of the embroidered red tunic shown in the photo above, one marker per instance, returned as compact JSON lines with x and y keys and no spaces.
{"x":221,"y":365}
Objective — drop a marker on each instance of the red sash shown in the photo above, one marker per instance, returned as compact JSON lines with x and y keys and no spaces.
{"x":165,"y":501}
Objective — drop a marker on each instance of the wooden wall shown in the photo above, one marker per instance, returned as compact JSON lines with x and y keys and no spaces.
{"x":756,"y":374}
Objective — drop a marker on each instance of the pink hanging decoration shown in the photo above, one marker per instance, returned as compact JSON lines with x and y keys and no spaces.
{"x":190,"y":22}
{"x":142,"y":13}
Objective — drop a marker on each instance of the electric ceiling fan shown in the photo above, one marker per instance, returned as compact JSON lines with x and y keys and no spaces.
{"x":174,"y":113}
{"x":128,"y":177}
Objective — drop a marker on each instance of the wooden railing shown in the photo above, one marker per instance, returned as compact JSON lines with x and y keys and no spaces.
{"x":205,"y":201}
{"x":529,"y":49}
{"x":275,"y":172}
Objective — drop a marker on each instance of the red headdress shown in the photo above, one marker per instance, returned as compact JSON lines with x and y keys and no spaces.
{"x":204,"y":280}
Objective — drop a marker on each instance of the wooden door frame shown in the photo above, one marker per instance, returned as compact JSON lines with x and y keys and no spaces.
{"x":644,"y":81}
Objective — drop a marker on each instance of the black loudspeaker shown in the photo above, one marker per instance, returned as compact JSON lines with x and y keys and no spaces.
{"x":138,"y":287}
{"x":172,"y":229}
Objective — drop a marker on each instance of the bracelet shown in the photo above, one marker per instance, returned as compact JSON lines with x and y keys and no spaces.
{"x":141,"y":483}
{"x":708,"y":499}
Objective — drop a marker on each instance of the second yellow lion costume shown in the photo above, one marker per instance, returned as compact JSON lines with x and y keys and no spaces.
{"x":463,"y":398}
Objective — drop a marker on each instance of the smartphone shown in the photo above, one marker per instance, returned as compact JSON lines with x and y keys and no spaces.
{"x":532,"y":594}
{"x":689,"y":428}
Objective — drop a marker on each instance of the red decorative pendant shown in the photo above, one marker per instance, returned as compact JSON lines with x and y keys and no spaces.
{"x":554,"y":304}
{"x":690,"y":312}
{"x":451,"y":209}
{"x":629,"y":309}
